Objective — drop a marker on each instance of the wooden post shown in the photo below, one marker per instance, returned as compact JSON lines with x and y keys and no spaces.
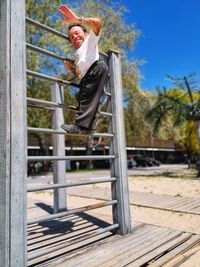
{"x":13,"y":133}
{"x":121,"y":211}
{"x":58,"y":150}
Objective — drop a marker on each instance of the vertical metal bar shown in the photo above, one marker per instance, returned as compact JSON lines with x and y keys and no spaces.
{"x":58,"y":150}
{"x":12,"y":134}
{"x":121,"y":211}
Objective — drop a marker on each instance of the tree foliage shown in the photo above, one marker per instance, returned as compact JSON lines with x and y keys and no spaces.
{"x":116,"y":35}
{"x":181,"y":106}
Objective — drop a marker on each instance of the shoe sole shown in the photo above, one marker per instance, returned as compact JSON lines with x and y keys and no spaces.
{"x":78,"y":132}
{"x":63,"y":127}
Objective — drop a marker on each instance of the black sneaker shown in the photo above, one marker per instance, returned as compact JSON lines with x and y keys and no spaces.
{"x":73,"y":128}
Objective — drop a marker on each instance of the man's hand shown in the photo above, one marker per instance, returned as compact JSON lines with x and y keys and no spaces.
{"x":71,"y":67}
{"x":69,"y":16}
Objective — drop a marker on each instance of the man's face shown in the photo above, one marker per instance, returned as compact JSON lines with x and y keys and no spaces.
{"x":77,"y":36}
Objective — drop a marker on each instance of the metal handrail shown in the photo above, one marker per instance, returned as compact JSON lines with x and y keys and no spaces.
{"x":70,"y":184}
{"x":60,"y":105}
{"x":49,"y":103}
{"x":83,"y":157}
{"x":44,"y":51}
{"x":52,"y":131}
{"x":73,"y":211}
{"x":46,"y":28}
{"x":106,"y":114}
{"x":55,"y":79}
{"x":50,"y":78}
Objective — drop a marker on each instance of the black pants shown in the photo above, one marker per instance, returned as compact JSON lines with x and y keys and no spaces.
{"x":91,"y":89}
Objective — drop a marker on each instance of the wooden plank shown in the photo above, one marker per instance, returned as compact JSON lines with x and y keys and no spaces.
{"x":165,"y":200}
{"x":147,"y":244}
{"x":4,"y":132}
{"x":175,"y":201}
{"x":39,"y":231}
{"x":54,"y":258}
{"x":160,"y":250}
{"x":169,"y":203}
{"x":60,"y":235}
{"x":187,"y":207}
{"x":140,"y":196}
{"x":147,"y":201}
{"x":180,"y":204}
{"x":193,"y":203}
{"x":79,"y":249}
{"x":131,"y":256}
{"x":13,"y":134}
{"x":177,"y":251}
{"x":57,"y":231}
{"x":57,"y":95}
{"x":121,"y":211}
{"x":129,"y":243}
{"x":195,"y":208}
{"x":107,"y":248}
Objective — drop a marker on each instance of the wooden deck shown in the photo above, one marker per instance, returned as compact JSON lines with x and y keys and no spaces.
{"x":74,"y":244}
{"x":80,"y":240}
{"x":164,"y":202}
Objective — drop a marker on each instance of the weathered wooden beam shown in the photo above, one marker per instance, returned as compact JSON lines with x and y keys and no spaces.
{"x":57,"y":95}
{"x":121,"y":211}
{"x":12,"y":134}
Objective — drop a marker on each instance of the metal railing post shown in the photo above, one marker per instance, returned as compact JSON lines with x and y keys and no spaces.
{"x":13,"y":133}
{"x":58,"y":150}
{"x":121,"y":211}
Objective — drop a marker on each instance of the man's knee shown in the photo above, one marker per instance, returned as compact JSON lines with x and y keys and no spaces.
{"x":103,"y":66}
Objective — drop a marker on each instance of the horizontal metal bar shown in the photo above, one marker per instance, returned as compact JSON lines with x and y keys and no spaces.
{"x":70,"y":184}
{"x":107,"y":114}
{"x":73,"y":241}
{"x":46,"y":28}
{"x":48,"y":103}
{"x":42,"y":107}
{"x":44,"y":51}
{"x":73,"y":211}
{"x":52,"y":131}
{"x":50,"y":78}
{"x":107,"y":93}
{"x":55,"y":158}
{"x":59,"y":105}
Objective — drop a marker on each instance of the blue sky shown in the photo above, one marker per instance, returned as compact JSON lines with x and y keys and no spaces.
{"x":169,"y":41}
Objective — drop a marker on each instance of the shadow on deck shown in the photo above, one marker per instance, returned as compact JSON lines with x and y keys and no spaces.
{"x":74,"y":241}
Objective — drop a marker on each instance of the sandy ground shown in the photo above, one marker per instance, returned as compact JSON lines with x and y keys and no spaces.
{"x":176,"y":183}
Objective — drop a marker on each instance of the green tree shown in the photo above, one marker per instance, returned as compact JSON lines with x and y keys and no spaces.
{"x":116,"y":35}
{"x":189,"y":139}
{"x":181,"y":105}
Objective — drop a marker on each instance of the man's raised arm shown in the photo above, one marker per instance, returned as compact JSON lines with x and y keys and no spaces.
{"x":69,"y":16}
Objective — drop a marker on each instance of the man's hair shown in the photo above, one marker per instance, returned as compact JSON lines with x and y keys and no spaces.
{"x":77,"y":24}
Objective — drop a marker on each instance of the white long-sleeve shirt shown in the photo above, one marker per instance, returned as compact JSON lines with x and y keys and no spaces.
{"x":87,"y":53}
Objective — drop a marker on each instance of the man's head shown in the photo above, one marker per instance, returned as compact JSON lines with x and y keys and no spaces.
{"x":77,"y":34}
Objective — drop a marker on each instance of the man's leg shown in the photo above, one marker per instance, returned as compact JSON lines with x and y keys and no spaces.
{"x":91,"y":88}
{"x":90,"y":92}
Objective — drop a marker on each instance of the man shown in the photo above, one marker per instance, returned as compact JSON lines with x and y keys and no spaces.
{"x":92,"y":71}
